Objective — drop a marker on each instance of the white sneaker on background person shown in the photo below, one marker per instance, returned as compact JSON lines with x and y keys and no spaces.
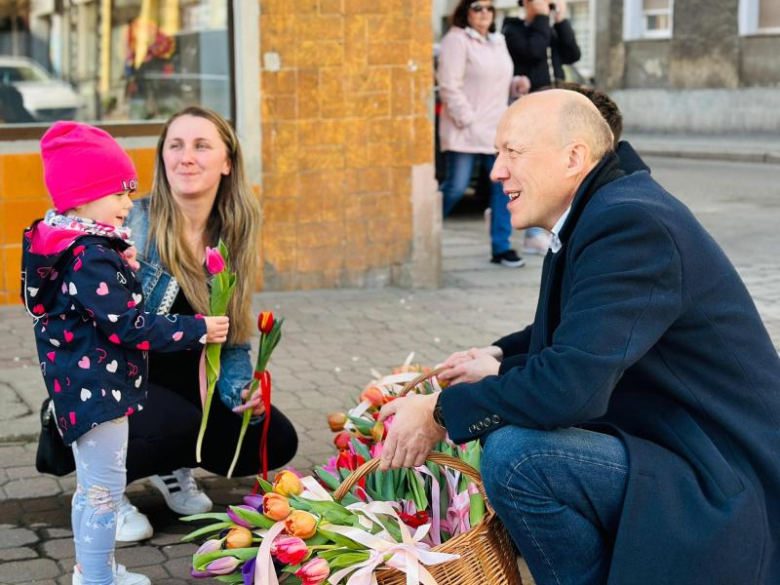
{"x":131,"y":525}
{"x":181,"y":492}
{"x":121,"y":576}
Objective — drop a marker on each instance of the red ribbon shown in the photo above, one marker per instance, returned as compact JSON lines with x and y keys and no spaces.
{"x":265,"y":393}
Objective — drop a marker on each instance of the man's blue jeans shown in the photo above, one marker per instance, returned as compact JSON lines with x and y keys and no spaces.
{"x":460,"y":165}
{"x":560,"y":493}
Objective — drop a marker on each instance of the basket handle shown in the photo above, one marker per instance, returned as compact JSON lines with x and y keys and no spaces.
{"x":412,"y":384}
{"x":438,"y":458}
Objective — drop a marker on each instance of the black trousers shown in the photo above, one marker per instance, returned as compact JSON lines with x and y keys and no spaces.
{"x":164,"y":433}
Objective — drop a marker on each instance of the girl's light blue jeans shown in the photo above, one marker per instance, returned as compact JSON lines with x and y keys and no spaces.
{"x":101,"y":478}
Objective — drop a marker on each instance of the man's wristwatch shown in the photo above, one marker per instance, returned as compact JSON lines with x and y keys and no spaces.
{"x":438,"y":413}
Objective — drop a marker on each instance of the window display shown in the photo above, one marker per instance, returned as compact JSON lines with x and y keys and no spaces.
{"x":112,"y":60}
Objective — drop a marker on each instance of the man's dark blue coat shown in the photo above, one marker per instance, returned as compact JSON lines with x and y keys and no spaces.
{"x":645,"y":330}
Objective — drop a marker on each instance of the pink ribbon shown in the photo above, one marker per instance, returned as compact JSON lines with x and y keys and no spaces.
{"x":265,"y":574}
{"x":458,"y":514}
{"x":435,"y":503}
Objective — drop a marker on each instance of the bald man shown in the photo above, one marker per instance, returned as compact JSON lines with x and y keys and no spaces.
{"x":638,"y":440}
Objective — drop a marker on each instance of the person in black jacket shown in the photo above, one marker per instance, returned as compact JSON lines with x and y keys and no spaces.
{"x":537,"y":47}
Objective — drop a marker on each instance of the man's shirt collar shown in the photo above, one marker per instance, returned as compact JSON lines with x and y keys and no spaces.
{"x":555,"y":241}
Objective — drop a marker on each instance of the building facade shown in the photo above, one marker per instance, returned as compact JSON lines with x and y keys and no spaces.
{"x":332,"y":99}
{"x":699,"y":66}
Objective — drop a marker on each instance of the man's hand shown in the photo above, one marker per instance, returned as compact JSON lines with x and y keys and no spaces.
{"x":256,"y":403}
{"x":471,"y":365}
{"x":413,"y":432}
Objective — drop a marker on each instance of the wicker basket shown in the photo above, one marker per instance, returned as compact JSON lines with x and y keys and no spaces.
{"x":487,"y":555}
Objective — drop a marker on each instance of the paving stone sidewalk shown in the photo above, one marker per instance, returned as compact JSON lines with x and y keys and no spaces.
{"x":332,"y":340}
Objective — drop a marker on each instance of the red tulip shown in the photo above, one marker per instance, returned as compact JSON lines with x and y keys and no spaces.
{"x":314,"y":572}
{"x":290,"y":550}
{"x":215,"y":263}
{"x":415,"y":520}
{"x":265,"y":322}
{"x":342,"y":440}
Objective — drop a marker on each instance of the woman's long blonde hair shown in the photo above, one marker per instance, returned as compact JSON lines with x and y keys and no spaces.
{"x":235,"y":218}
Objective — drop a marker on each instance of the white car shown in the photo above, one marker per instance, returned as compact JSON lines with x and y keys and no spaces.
{"x":46,"y":99}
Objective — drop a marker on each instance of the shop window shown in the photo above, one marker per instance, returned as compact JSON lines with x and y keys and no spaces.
{"x":759,"y":17}
{"x":647,"y":19}
{"x":112,"y":62}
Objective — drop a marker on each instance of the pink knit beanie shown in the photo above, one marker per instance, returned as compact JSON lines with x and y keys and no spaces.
{"x":82,"y":163}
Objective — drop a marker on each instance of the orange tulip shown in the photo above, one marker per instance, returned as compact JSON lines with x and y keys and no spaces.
{"x":287,"y":483}
{"x":336,"y":421}
{"x":238,"y":537}
{"x":301,"y":524}
{"x":275,"y":506}
{"x":373,"y":395}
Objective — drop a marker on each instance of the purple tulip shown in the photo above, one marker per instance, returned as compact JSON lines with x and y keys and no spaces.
{"x":237,"y":519}
{"x":248,"y":572}
{"x":255,"y":501}
{"x":223,"y":566}
{"x":209,"y":546}
{"x":199,"y":574}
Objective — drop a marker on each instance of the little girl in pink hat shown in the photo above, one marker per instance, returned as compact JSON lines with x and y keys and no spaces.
{"x":92,"y":333}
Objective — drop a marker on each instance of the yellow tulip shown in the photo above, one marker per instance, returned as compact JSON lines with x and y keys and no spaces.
{"x":287,"y":483}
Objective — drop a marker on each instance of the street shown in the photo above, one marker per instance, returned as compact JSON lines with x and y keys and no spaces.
{"x":331,"y":341}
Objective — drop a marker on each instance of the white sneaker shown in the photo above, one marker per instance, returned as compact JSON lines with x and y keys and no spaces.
{"x":121,"y":576}
{"x":181,"y":492}
{"x":131,"y":525}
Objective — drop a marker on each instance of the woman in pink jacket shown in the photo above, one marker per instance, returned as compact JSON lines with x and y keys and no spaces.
{"x":475,"y":78}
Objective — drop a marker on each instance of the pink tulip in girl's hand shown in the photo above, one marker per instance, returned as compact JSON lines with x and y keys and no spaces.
{"x":130,"y":255}
{"x":215,"y":263}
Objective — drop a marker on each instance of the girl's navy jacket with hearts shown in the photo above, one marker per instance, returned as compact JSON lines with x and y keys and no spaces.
{"x":91,"y":331}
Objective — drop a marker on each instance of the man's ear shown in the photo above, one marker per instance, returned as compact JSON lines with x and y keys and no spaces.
{"x":578,"y":156}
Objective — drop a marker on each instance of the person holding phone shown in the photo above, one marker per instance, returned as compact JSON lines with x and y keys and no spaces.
{"x":540,"y":45}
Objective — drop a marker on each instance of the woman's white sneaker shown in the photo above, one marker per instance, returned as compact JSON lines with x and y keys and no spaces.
{"x":181,"y":492}
{"x":121,"y":576}
{"x":131,"y":525}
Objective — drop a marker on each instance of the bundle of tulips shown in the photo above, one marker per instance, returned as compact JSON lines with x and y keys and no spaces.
{"x":297,"y":522}
{"x":297,"y":533}
{"x":429,"y":493}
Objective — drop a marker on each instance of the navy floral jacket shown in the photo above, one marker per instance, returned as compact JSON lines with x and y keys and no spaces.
{"x":92,"y":333}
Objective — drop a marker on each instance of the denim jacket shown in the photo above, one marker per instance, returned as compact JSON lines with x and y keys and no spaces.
{"x":160,"y":289}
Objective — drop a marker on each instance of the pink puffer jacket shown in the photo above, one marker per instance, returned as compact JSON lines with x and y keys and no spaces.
{"x":474,"y":75}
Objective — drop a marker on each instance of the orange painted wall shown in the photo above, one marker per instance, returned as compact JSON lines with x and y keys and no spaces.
{"x":23,"y":198}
